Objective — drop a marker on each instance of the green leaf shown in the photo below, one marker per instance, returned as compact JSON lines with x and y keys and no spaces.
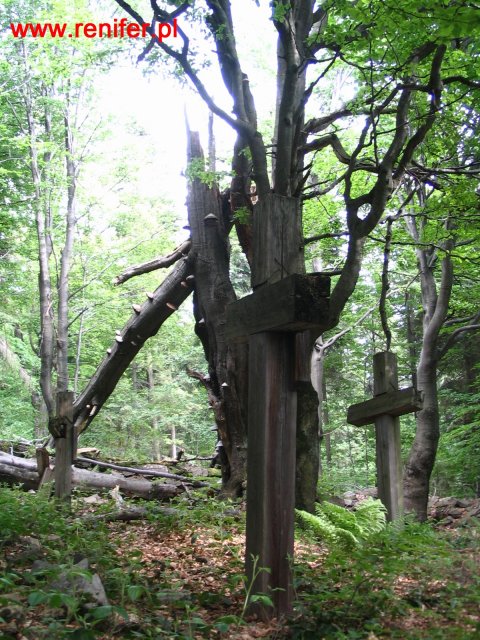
{"x":82,"y":634}
{"x":135,"y":592}
{"x":55,"y":600}
{"x":100,"y":613}
{"x":37,"y":597}
{"x":262,"y":599}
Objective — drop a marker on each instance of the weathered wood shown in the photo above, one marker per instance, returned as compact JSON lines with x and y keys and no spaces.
{"x":393,"y":403}
{"x":13,"y":475}
{"x":277,"y":239}
{"x":129,"y":486}
{"x":143,"y":472}
{"x":387,"y":428}
{"x":271,"y":468}
{"x":64,"y":446}
{"x":387,"y":437}
{"x":18,"y":462}
{"x":16,"y":469}
{"x":138,"y":329}
{"x":294,"y":304}
{"x":43,"y":460}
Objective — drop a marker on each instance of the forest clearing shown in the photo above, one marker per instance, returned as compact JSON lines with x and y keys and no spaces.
{"x":239,"y":331}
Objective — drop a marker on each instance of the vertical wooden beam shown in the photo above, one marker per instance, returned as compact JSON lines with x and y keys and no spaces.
{"x":271,"y":469}
{"x":64,"y":446}
{"x":277,"y":239}
{"x":43,"y":461}
{"x":387,"y":432}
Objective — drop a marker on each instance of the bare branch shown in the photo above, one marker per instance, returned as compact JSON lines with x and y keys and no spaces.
{"x":469,"y":83}
{"x":454,"y":337}
{"x":152,"y":265}
{"x":323,"y":236}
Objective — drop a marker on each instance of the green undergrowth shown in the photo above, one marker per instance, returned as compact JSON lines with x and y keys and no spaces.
{"x":338,"y":527}
{"x":412,"y":584}
{"x":34,"y":529}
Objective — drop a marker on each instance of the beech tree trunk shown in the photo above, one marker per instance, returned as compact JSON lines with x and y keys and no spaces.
{"x":70,"y":222}
{"x":424,"y":448}
{"x":43,"y":220}
{"x":435,"y":303}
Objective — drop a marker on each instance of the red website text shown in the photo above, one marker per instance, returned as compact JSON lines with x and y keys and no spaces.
{"x":116,"y":29}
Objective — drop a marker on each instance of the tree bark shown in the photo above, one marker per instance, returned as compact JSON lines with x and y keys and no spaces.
{"x":14,"y":469}
{"x":435,"y":303}
{"x":153,"y":409}
{"x":43,"y":224}
{"x":227,"y":361}
{"x":70,"y":221}
{"x":145,"y":323}
{"x":422,"y":455}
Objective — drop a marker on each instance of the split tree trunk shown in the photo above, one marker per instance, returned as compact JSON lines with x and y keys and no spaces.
{"x":227,"y":361}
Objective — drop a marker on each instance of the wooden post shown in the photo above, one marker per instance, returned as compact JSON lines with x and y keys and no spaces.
{"x":384,"y":410}
{"x":272,"y":317}
{"x":271,"y":469}
{"x":387,"y":437}
{"x":64,"y":446}
{"x":285,"y":301}
{"x":43,"y":461}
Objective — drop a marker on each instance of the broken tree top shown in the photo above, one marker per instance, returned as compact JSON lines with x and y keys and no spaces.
{"x":296,"y":303}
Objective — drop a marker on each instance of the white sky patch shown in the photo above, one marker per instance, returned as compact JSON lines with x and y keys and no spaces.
{"x":156,"y":105}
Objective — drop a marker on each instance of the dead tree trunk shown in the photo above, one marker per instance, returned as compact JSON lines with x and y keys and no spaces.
{"x":145,"y":323}
{"x":20,"y":470}
{"x":227,"y":362}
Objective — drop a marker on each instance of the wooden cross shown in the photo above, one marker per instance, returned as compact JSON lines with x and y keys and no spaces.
{"x":281,"y":306}
{"x":384,"y":410}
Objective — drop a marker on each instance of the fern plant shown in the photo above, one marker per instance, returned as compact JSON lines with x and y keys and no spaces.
{"x":338,"y":527}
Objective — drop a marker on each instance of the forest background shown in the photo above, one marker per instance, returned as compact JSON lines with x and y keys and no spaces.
{"x":94,"y":171}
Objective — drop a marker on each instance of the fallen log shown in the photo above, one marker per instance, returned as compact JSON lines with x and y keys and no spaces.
{"x":142,"y":472}
{"x":19,"y":463}
{"x":134,"y":487}
{"x":21,"y":470}
{"x":16,"y":475}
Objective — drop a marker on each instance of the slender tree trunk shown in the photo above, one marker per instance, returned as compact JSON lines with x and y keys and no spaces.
{"x":62,"y":315}
{"x":78,"y":353}
{"x":422,"y":454}
{"x":151,"y":401}
{"x":43,"y":222}
{"x":173,"y":437}
{"x":326,"y":424}
{"x":435,"y":301}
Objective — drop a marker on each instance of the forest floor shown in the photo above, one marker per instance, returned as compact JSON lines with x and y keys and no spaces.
{"x":179,"y":575}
